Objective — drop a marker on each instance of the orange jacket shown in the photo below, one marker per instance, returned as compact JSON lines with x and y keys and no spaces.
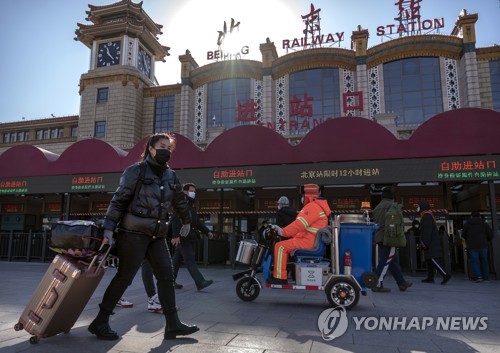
{"x":310,"y":219}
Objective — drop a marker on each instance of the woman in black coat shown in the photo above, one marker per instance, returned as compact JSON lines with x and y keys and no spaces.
{"x":432,"y":243}
{"x":138,"y":214}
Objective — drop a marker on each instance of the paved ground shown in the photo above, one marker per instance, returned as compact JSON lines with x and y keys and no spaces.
{"x":277,"y":321}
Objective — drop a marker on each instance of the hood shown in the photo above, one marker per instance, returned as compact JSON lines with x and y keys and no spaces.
{"x":475,"y":220}
{"x":424,"y":205}
{"x":324,"y":205}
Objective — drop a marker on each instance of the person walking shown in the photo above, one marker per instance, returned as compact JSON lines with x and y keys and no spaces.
{"x":432,"y":244}
{"x":138,"y":214}
{"x":478,"y":234}
{"x":285,"y":214}
{"x":184,"y":244}
{"x":388,"y":255}
{"x":147,"y":275}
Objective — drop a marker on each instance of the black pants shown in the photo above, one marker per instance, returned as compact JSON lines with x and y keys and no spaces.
{"x":132,"y":249}
{"x":148,"y":278}
{"x":433,"y":265}
{"x":186,"y":251}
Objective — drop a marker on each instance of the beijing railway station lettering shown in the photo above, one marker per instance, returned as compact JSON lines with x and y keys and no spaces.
{"x":410,"y":21}
{"x":312,"y":33}
{"x":228,"y":47}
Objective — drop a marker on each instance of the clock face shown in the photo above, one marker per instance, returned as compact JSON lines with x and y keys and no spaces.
{"x":108,"y":54}
{"x":144,"y":62}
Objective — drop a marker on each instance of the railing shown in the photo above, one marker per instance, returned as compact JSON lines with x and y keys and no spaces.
{"x":16,"y":246}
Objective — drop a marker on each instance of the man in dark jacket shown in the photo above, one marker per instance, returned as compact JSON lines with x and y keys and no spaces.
{"x":432,"y":243}
{"x":184,"y":246}
{"x":478,"y":233}
{"x":388,"y":256}
{"x":285,"y":214}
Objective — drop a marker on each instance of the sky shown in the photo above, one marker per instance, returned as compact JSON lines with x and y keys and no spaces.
{"x":41,"y":63}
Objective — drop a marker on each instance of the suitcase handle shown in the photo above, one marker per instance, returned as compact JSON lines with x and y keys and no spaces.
{"x":61,"y":277}
{"x":100,"y":252}
{"x":52,"y":299}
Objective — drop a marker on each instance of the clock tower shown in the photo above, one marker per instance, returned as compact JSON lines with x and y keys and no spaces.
{"x":124,"y":46}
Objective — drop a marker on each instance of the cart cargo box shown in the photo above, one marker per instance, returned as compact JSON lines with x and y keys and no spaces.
{"x":311,"y":274}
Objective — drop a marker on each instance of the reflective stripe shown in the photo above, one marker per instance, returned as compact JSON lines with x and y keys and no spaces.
{"x":277,"y":268}
{"x":304,"y":221}
{"x":312,"y":230}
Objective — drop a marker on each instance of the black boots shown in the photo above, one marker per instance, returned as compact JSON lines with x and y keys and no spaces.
{"x":204,"y":284}
{"x":100,"y":326}
{"x":175,"y":327}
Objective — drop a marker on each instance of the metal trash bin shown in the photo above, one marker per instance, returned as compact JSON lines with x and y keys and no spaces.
{"x":245,"y":251}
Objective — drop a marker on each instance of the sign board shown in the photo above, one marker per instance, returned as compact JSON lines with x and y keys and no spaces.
{"x":449,"y":169}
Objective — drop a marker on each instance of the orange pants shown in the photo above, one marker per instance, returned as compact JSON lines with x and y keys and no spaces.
{"x":283,"y":248}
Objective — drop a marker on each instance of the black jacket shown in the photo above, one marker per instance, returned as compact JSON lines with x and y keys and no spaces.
{"x":196,"y":224}
{"x":145,"y":210}
{"x":285,"y":216}
{"x":477,"y":233}
{"x":429,"y":233}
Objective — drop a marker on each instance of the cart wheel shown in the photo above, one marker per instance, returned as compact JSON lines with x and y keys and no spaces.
{"x":343,"y":292}
{"x":18,"y":327}
{"x":369,"y":279}
{"x":34,"y":340}
{"x":247,"y":289}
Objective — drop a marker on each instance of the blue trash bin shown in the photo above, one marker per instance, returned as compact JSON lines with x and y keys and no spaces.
{"x":358,"y":239}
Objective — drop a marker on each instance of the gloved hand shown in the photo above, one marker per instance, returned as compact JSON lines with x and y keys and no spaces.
{"x":185,"y":230}
{"x":108,"y":237}
{"x":278,"y":230}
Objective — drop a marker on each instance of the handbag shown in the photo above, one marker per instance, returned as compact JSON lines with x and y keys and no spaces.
{"x":76,"y":234}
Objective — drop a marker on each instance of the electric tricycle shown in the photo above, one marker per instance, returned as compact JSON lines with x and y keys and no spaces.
{"x":349,"y":238}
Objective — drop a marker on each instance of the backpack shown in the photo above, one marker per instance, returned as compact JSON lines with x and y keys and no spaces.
{"x":394,"y":234}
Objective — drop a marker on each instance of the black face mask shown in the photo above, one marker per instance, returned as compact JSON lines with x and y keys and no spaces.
{"x":162,"y":156}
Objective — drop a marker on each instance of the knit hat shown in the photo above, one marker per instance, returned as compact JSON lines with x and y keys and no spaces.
{"x":387,"y":193}
{"x":283,"y":200}
{"x":311,"y":190}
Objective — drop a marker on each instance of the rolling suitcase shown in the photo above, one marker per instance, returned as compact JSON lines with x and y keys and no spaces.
{"x":61,"y":296}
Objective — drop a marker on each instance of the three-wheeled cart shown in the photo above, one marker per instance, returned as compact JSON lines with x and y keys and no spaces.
{"x":339,"y":264}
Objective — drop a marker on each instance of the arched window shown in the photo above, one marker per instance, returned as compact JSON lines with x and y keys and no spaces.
{"x":412,"y":89}
{"x":229,"y":103}
{"x":495,"y":83}
{"x":314,"y":97}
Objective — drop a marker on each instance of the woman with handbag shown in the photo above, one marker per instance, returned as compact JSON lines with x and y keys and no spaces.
{"x":138,"y":214}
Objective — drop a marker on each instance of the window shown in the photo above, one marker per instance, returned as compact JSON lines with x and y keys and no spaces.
{"x":314,"y":97}
{"x":495,"y":83}
{"x":164,"y":114}
{"x":46,"y":134}
{"x":102,"y":95}
{"x":413,"y":90}
{"x":6,"y":137}
{"x":74,"y":131}
{"x":39,"y":134}
{"x":222,"y":102}
{"x":13,"y":137}
{"x":53,"y":133}
{"x":100,"y":129}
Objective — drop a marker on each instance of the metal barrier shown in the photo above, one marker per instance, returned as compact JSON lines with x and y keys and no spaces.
{"x":15,"y":246}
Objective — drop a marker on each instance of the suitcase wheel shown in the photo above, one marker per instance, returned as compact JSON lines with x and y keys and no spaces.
{"x":18,"y":327}
{"x":34,"y":340}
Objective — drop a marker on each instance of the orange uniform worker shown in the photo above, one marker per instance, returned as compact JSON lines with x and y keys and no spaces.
{"x":302,"y":231}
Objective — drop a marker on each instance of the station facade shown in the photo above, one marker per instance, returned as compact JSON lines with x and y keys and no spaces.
{"x":419,"y":112}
